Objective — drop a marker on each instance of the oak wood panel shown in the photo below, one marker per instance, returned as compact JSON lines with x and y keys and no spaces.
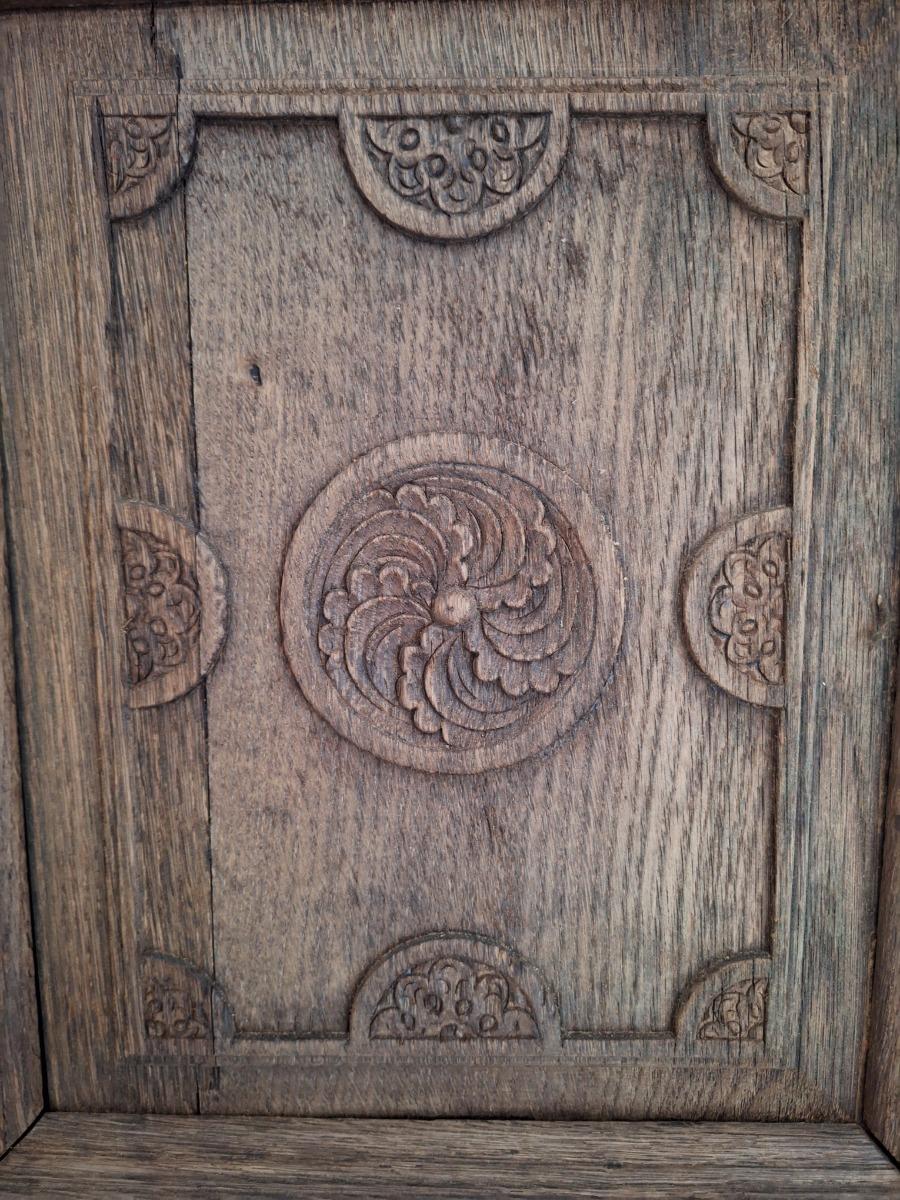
{"x":849,"y":651}
{"x":71,"y":1155}
{"x":844,"y":809}
{"x":21,"y":1084}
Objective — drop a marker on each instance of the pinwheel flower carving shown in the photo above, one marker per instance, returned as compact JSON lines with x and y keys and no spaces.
{"x":451,"y":603}
{"x":459,"y":596}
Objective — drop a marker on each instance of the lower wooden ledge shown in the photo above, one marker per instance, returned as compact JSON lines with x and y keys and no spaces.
{"x":86,"y":1155}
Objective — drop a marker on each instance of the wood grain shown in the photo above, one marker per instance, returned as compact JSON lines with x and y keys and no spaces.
{"x":882,"y":1095}
{"x":21,"y":1084}
{"x":639,"y":329}
{"x":566,"y":371}
{"x":75,"y":804}
{"x":69,"y":1155}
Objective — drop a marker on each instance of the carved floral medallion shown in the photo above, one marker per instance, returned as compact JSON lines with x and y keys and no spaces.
{"x":457,"y":163}
{"x":451,"y":604}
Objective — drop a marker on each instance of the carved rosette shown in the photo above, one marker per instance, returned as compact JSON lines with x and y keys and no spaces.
{"x":175,"y":604}
{"x":456,"y":172}
{"x":451,"y":989}
{"x":455,"y":999}
{"x":774,"y":148}
{"x":451,"y":614}
{"x":735,"y":606}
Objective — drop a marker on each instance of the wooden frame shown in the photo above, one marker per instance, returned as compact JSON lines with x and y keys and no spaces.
{"x":814,"y":1066}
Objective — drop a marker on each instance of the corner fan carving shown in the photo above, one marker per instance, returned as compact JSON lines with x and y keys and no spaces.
{"x":453,"y":999}
{"x":737,"y":1013}
{"x":453,"y":605}
{"x":774,"y":148}
{"x":135,"y":148}
{"x":457,"y":163}
{"x":142,"y":161}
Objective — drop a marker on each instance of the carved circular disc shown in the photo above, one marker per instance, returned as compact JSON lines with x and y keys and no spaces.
{"x":451,"y":603}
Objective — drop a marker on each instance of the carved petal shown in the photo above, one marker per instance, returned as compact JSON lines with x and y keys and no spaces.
{"x":175,"y":604}
{"x":456,"y":171}
{"x":735,"y":606}
{"x":455,"y":988}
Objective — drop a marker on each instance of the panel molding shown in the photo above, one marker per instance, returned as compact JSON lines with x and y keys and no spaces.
{"x":200,"y":100}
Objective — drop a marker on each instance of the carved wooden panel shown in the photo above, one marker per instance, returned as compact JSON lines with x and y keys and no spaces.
{"x":460,"y":588}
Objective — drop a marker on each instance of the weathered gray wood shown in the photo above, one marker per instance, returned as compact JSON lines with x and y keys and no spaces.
{"x":21,"y":1085}
{"x":68,"y":1155}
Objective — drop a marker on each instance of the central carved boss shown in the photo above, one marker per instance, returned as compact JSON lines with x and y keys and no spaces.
{"x":440,"y":609}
